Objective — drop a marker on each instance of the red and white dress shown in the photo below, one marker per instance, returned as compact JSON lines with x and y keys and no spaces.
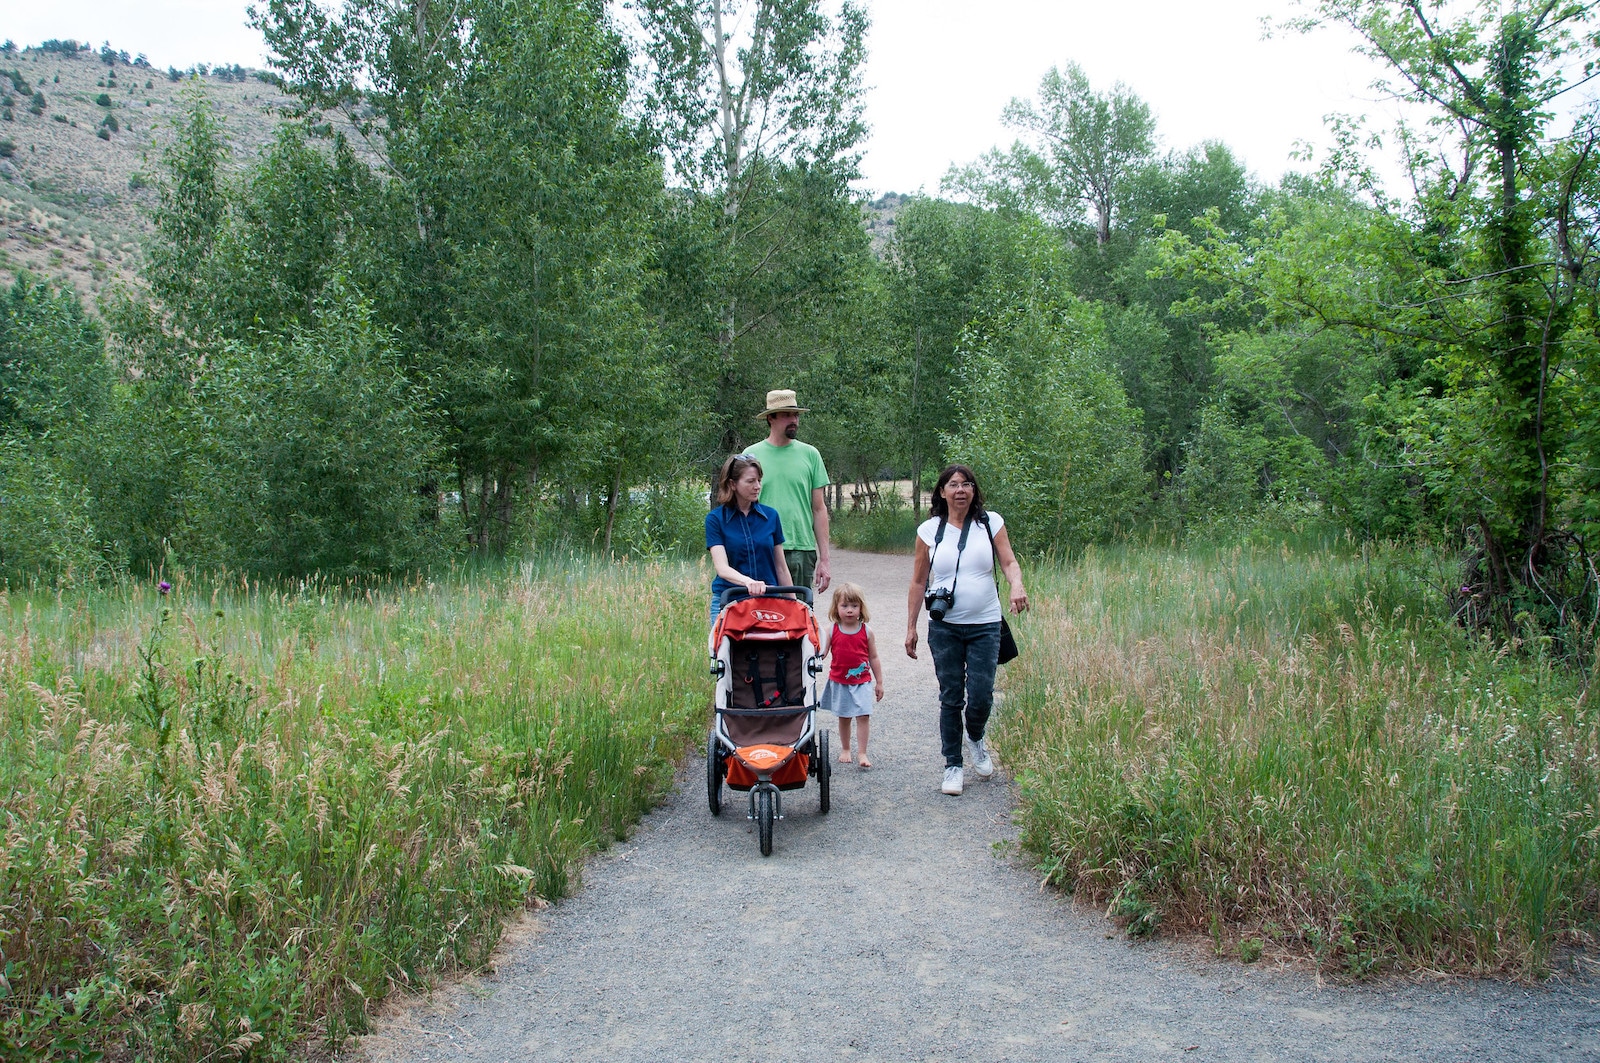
{"x":849,"y":689}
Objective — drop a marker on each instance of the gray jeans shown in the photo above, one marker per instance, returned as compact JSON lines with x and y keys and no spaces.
{"x":965,"y":658}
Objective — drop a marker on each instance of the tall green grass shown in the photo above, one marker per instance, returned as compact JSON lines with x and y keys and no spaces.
{"x":1291,"y":744}
{"x":235,"y":817}
{"x":885,"y":530}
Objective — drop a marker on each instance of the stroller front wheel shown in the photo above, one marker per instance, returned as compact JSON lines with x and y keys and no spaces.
{"x":764,"y":815}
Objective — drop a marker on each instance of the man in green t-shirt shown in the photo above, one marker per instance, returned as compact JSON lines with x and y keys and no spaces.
{"x":792,"y":479}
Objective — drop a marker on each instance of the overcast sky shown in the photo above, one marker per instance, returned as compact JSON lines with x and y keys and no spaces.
{"x":940,"y":71}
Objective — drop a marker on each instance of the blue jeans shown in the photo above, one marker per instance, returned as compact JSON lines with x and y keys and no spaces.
{"x":965,"y":658}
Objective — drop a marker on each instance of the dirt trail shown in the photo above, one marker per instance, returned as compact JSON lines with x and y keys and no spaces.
{"x":890,"y":929}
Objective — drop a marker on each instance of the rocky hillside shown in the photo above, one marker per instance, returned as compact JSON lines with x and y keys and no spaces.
{"x":79,"y":141}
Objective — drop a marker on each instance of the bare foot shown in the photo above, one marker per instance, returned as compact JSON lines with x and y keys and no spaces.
{"x":844,"y":757}
{"x":865,"y":763}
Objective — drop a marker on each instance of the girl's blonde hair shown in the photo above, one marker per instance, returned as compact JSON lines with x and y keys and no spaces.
{"x":847,"y":592}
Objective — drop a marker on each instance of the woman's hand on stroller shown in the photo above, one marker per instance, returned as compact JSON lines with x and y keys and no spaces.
{"x":756,"y":587}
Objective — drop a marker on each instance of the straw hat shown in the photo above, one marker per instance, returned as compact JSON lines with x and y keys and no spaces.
{"x":781,"y":402}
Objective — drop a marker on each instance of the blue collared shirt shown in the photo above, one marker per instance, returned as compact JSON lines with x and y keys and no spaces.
{"x":749,"y":539}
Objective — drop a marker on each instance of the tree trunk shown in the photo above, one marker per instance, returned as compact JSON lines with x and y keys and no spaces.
{"x":916,"y":447}
{"x":611,"y":505}
{"x":1512,"y":332}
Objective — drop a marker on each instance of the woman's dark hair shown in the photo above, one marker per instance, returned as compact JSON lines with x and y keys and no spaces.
{"x":938,"y":507}
{"x":732,"y":472}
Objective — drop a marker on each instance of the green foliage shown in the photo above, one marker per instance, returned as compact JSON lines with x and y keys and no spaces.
{"x":943,"y":259}
{"x":760,"y":247}
{"x":318,"y":457}
{"x":104,"y":99}
{"x":890,"y":528}
{"x":52,"y":362}
{"x":511,"y":255}
{"x":46,"y":529}
{"x":1086,"y":145}
{"x":55,"y":388}
{"x":1039,"y":414}
{"x":1473,"y":304}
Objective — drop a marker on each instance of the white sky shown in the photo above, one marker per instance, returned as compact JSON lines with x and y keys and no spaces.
{"x":940,"y":71}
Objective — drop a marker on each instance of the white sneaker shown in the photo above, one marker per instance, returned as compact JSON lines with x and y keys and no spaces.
{"x":981,"y":761}
{"x":952,"y":781}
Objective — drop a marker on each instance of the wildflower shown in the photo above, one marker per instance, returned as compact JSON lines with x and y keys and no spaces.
{"x":163,"y":586}
{"x":1466,"y":590}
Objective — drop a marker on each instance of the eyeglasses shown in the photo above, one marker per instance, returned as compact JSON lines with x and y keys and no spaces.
{"x":958,"y":484}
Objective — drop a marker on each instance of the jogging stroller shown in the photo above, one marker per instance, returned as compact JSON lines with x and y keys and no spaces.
{"x":764,"y":737}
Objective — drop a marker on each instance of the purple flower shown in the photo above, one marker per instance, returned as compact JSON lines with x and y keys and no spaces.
{"x":1466,"y":591}
{"x":163,"y":586}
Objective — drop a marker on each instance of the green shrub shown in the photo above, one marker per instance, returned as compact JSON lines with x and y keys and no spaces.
{"x":8,"y":148}
{"x":888,"y":529}
{"x":52,"y":363}
{"x":110,"y":122}
{"x":46,"y":533}
{"x":54,"y":388}
{"x":316,"y":454}
{"x":103,"y":133}
{"x":653,"y":521}
{"x":104,"y":99}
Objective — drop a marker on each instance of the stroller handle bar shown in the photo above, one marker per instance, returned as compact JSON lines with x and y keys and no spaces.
{"x":735,"y":593}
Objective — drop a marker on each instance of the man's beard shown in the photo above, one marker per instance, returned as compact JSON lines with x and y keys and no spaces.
{"x":789,"y":430}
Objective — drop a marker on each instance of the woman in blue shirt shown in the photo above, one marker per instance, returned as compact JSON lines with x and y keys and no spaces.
{"x":745,"y":538}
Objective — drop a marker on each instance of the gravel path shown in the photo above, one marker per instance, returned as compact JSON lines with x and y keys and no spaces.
{"x":895,"y":929}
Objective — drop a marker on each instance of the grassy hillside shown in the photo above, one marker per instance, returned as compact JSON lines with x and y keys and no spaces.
{"x":73,"y":203}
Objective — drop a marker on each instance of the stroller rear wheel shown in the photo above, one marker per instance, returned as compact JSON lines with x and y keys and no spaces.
{"x":764,"y":820}
{"x":824,"y":770}
{"x":715,"y":770}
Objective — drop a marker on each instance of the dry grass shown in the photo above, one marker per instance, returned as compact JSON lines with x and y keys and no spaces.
{"x":234,"y":818}
{"x":70,"y":206}
{"x":1289,"y":743}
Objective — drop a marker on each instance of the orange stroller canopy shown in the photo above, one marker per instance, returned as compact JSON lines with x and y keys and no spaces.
{"x":766,"y":618}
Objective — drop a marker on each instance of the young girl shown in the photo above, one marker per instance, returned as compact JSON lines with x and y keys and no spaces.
{"x":855,"y":663}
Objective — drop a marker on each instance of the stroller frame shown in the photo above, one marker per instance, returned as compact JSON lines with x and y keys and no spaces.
{"x":763,"y":737}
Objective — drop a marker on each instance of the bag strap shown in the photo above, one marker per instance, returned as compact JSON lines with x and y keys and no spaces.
{"x":994,"y":567}
{"x":994,"y":557}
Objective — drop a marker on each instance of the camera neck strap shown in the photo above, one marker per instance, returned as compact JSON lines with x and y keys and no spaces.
{"x":961,"y":544}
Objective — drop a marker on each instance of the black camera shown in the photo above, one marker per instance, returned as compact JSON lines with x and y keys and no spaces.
{"x":939,"y":601}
